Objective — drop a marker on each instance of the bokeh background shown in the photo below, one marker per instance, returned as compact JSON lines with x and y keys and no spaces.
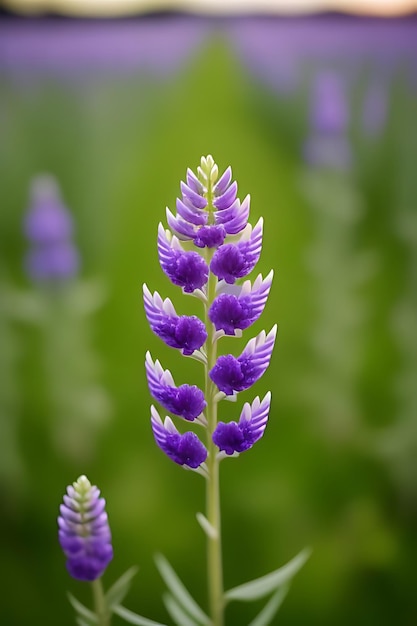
{"x":317,"y":116}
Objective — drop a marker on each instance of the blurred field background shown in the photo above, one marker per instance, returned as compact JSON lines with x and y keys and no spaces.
{"x":317,"y":117}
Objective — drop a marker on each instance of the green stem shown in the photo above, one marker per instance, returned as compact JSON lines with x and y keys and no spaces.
{"x":100,"y":604}
{"x":214,"y":547}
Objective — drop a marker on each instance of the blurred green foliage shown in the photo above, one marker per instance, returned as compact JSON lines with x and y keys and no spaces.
{"x":337,"y":468}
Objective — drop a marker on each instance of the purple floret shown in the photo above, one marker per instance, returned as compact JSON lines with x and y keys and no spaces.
{"x":187,"y":270}
{"x":187,"y":401}
{"x":232,"y":374}
{"x":229,"y":313}
{"x":187,"y":333}
{"x":238,"y":437}
{"x":84,"y":532}
{"x":211,"y":236}
{"x":184,"y":449}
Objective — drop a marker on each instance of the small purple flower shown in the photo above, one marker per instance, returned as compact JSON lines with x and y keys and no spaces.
{"x":211,"y":236}
{"x":185,"y":269}
{"x":231,"y":311}
{"x":187,"y":401}
{"x":48,"y":227}
{"x":184,"y":449}
{"x":232,"y":374}
{"x":238,"y":437}
{"x":232,"y":261}
{"x":84,"y":532}
{"x":187,"y":333}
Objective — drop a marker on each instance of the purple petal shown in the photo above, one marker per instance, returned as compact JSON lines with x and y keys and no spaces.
{"x":239,"y":222}
{"x":191,"y":214}
{"x":227,"y":198}
{"x":196,"y":199}
{"x":211,"y":236}
{"x":194,"y":183}
{"x":184,"y":230}
{"x":223,"y":182}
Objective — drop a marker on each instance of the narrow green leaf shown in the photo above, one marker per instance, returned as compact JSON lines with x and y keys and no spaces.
{"x":206,"y":526}
{"x":179,"y":591}
{"x":118,"y":591}
{"x":82,"y":610}
{"x":134,"y":618}
{"x":177,"y":613}
{"x":261,"y":587}
{"x":267,"y":614}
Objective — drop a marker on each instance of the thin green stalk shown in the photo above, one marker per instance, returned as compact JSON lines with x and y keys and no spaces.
{"x":214,"y":547}
{"x":100,"y":604}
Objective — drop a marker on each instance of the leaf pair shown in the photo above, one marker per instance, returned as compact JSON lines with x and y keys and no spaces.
{"x":114,"y":597}
{"x":184,"y":610}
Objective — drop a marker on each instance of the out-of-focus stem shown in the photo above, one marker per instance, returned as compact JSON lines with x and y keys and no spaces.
{"x":100,"y":604}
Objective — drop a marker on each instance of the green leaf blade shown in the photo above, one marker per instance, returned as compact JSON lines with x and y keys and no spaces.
{"x":267,"y":614}
{"x":176,"y":612}
{"x":119,"y":590}
{"x":133,"y":618}
{"x":82,"y":611}
{"x":260,"y":587}
{"x":180,"y":592}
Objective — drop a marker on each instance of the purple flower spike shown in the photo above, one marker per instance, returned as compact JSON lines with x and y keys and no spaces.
{"x":232,"y":374}
{"x":187,"y":401}
{"x":185,"y":269}
{"x":187,"y":333}
{"x":238,"y":437}
{"x":84,"y":532}
{"x":230,"y":312}
{"x":233,"y":261}
{"x":48,"y":226}
{"x":47,"y":220}
{"x":184,"y":449}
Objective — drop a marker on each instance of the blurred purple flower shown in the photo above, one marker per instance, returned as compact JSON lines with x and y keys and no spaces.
{"x":329,"y":109}
{"x":48,"y":227}
{"x":84,"y":532}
